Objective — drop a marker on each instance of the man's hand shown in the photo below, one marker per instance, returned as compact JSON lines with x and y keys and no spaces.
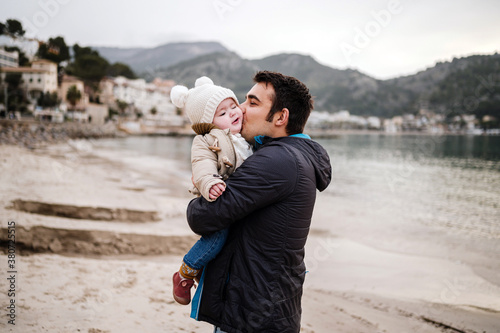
{"x":216,"y":190}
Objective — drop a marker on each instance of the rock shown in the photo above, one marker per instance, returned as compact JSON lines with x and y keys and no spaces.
{"x":31,"y":133}
{"x":85,"y":213}
{"x":55,"y":246}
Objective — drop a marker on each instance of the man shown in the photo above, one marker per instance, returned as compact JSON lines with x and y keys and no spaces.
{"x":255,"y":283}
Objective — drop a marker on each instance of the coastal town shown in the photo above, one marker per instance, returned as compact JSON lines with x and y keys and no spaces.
{"x":135,"y":106}
{"x":97,"y":166}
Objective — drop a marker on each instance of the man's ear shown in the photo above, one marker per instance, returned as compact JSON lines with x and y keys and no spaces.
{"x":281,"y":117}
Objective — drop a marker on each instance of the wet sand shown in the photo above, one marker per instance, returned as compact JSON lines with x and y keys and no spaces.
{"x":97,"y":283}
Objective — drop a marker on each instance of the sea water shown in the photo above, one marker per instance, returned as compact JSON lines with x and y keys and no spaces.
{"x":419,"y":195}
{"x":444,"y":181}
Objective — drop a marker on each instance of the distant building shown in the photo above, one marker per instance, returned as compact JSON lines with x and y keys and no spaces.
{"x":106,"y":95}
{"x":149,"y":101}
{"x":343,"y":120}
{"x":143,"y":96}
{"x":40,"y":77}
{"x":97,"y":113}
{"x":374,"y":123}
{"x":9,"y":59}
{"x":49,"y":115}
{"x":393,"y":125}
{"x":389,"y":126}
{"x":66,"y":83}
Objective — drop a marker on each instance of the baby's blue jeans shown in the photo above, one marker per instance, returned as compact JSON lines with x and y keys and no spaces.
{"x":205,"y":249}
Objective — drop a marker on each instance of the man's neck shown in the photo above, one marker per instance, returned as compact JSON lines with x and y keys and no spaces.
{"x":261,"y":139}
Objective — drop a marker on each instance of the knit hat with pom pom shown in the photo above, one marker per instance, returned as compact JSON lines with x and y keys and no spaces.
{"x":201,"y":101}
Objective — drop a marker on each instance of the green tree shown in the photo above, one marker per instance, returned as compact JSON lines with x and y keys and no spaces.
{"x":73,"y":95}
{"x":80,"y":51}
{"x":17,"y":100}
{"x":12,"y":28}
{"x":122,"y":105}
{"x":91,"y":68}
{"x":23,"y":60}
{"x":13,"y":80}
{"x":111,"y":113}
{"x":88,"y":65}
{"x":120,"y":69}
{"x":54,"y":50}
{"x":48,"y":100}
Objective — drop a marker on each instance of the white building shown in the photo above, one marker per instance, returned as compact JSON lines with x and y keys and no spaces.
{"x":374,"y":122}
{"x":152,"y":100}
{"x":66,"y":83}
{"x":144,"y":96}
{"x":9,"y":59}
{"x":40,"y":77}
{"x":339,"y":120}
{"x":50,"y":68}
{"x":97,"y":113}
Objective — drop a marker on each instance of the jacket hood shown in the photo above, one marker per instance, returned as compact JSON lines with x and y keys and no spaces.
{"x":321,"y":161}
{"x":315,"y":153}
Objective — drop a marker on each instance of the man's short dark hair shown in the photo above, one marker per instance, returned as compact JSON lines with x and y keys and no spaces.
{"x":289,"y":93}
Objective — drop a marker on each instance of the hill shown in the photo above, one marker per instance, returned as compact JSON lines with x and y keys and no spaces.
{"x":463,"y":85}
{"x":474,"y":87}
{"x":469,"y":85}
{"x":224,"y":68}
{"x":333,"y":89}
{"x":147,"y":60}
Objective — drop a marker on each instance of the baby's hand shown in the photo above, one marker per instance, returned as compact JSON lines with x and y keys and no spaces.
{"x":216,"y":190}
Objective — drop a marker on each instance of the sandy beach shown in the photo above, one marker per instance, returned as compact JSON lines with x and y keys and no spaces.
{"x":110,"y":271}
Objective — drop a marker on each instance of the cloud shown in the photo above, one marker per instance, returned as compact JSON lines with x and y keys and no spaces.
{"x":422,"y":33}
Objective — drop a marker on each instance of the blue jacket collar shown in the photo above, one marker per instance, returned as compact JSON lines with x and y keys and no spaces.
{"x":262,"y":139}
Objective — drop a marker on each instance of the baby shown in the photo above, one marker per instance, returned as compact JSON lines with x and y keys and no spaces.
{"x":216,"y":152}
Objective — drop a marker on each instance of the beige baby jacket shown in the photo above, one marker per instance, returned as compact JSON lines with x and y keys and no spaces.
{"x":213,"y":159}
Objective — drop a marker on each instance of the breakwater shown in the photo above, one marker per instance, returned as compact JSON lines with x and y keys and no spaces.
{"x":33,"y":133}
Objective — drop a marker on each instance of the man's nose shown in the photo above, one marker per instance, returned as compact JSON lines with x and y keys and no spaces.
{"x":243,"y":108}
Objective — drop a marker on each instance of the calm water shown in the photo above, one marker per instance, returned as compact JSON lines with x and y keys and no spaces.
{"x":447,"y":182}
{"x":450,"y":182}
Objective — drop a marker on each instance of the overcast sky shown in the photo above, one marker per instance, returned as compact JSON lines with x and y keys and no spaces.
{"x":380,"y":38}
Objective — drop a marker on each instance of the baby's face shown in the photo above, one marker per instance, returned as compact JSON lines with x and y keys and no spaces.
{"x":228,"y":115}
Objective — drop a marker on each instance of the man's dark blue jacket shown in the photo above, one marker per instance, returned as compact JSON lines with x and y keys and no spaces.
{"x":255,"y":283}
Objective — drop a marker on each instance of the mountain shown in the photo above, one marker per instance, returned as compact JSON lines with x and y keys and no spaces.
{"x":224,"y":68}
{"x":468,"y":85}
{"x":464,"y":85}
{"x":148,"y":60}
{"x":333,"y":89}
{"x":473,"y":88}
{"x":336,"y":89}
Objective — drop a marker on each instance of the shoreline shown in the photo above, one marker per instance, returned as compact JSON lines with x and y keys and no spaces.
{"x":34,"y":134}
{"x":111,"y":292}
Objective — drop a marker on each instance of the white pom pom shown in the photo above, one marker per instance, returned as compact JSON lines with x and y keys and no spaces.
{"x":178,"y":95}
{"x":203,"y":80}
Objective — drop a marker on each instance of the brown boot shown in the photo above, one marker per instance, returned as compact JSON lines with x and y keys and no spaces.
{"x":182,"y":289}
{"x":198,"y":277}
